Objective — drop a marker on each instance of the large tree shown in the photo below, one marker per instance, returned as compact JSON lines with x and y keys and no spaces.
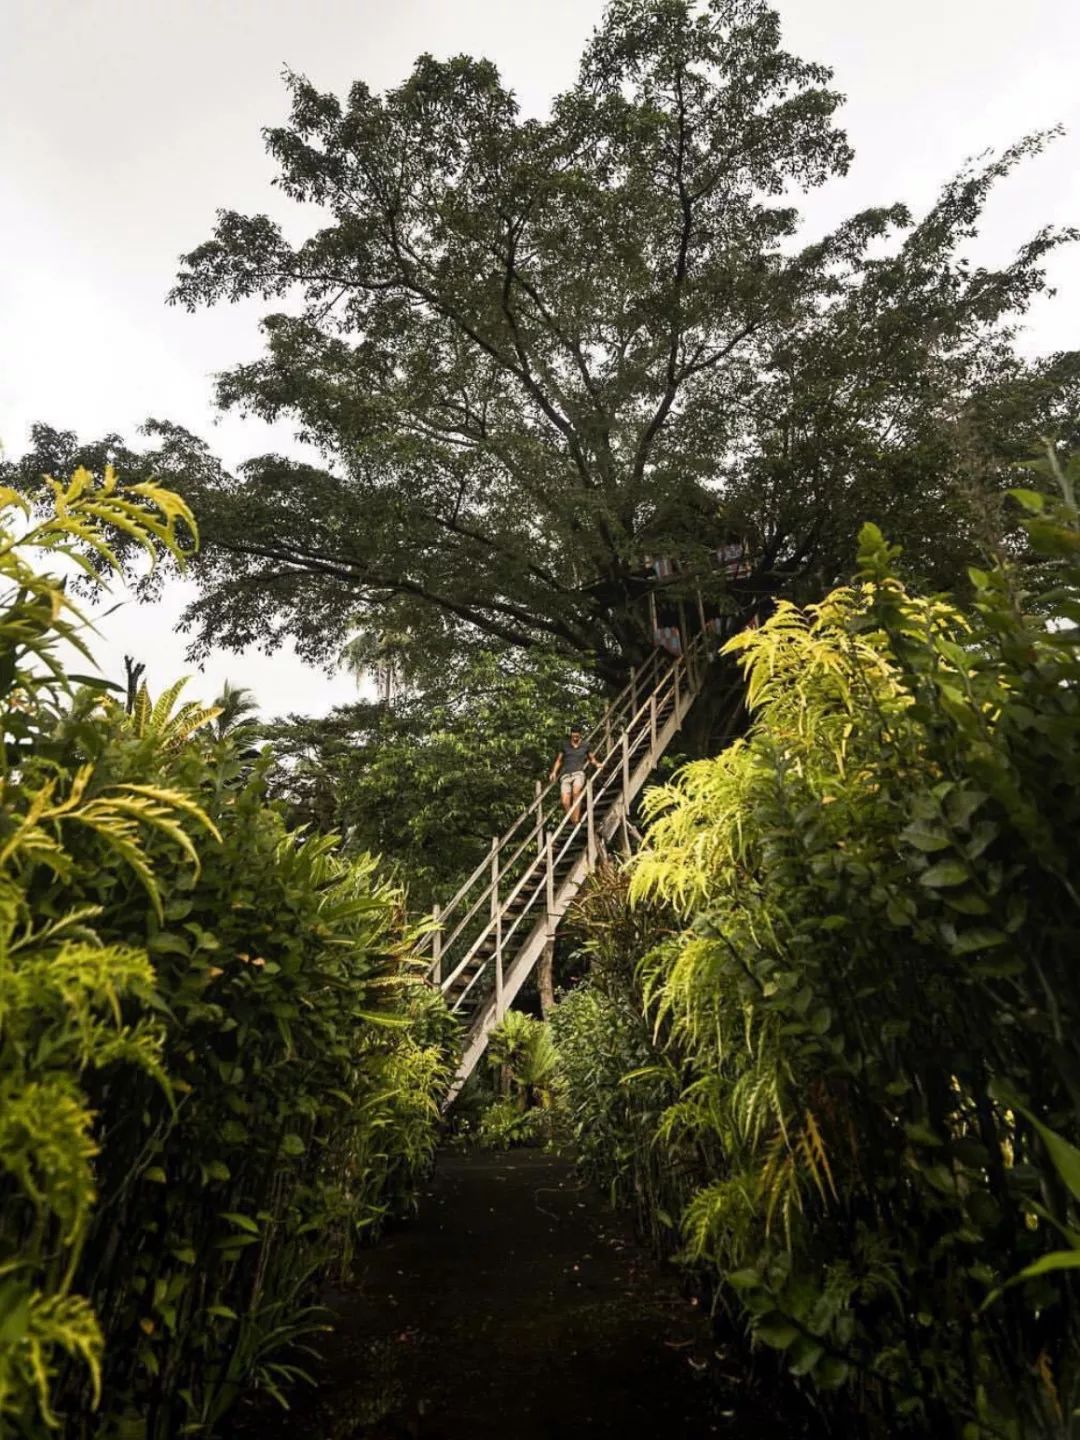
{"x":534,"y":353}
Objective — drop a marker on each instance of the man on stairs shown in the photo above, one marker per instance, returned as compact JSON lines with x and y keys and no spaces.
{"x":570,"y":762}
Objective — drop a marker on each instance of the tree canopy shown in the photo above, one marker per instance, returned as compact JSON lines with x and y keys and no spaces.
{"x":534,"y":353}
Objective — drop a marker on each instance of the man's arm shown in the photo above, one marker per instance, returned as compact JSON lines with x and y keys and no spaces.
{"x":594,"y":760}
{"x":556,"y":767}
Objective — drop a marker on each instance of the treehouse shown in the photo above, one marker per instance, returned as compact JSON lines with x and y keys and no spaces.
{"x":677,"y":608}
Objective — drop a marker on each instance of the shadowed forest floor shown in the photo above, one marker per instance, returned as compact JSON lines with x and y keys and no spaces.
{"x":516,"y":1305}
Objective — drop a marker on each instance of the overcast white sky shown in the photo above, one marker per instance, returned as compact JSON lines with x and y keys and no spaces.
{"x":124,"y":124}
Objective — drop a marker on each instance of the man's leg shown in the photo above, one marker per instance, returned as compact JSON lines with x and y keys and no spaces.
{"x":564,"y":794}
{"x":579,"y":786}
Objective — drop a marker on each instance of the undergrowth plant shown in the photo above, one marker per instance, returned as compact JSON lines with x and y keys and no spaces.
{"x":522,"y":1058}
{"x":72,"y":1007}
{"x":218,"y":1067}
{"x":870,"y":1007}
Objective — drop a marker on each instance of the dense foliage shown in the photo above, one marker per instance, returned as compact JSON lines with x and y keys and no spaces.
{"x":535,"y":353}
{"x":865,"y":1026}
{"x":215,"y":1069}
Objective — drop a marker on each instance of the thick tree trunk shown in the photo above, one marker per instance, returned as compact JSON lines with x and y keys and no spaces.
{"x":718,"y":716}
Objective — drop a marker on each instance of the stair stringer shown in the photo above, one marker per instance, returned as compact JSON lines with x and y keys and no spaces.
{"x":526,"y":957}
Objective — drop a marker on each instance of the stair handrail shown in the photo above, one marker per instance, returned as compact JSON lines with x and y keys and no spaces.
{"x":486,"y":891}
{"x":637,"y":680}
{"x":572,"y":835}
{"x":590,"y":793}
{"x":591,"y":796}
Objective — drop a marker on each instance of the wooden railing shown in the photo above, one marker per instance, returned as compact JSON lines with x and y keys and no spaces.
{"x":484,"y":943}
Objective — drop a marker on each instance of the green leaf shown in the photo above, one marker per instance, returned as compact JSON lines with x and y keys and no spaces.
{"x":944,"y":874}
{"x":831,"y":1373}
{"x":1033,"y":501}
{"x":926,"y":837}
{"x":920,"y":1134}
{"x":1065,"y":1156}
{"x":1055,"y":1260}
{"x":244,"y":1222}
{"x":775,"y":1331}
{"x":979,"y":937}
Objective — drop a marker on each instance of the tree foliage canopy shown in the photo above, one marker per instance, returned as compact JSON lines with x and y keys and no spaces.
{"x":535,"y":352}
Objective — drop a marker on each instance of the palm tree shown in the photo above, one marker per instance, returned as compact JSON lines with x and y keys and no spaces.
{"x":237,"y":709}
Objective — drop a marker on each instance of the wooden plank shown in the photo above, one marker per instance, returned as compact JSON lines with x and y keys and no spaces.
{"x":496,"y":919}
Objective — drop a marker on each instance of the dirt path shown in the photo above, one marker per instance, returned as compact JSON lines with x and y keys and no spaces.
{"x":516,"y":1306}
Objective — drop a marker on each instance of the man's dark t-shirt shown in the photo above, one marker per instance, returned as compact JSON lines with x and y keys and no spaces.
{"x":574,"y":757}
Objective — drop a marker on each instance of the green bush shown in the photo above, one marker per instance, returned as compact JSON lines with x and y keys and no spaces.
{"x":217,"y":1064}
{"x":614,"y":1081}
{"x":872,"y":1002}
{"x":512,"y":1104}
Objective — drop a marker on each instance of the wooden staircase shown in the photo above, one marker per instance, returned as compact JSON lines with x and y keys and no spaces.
{"x":485,"y":943}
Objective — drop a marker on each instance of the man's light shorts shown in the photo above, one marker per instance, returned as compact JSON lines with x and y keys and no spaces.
{"x":572,"y":784}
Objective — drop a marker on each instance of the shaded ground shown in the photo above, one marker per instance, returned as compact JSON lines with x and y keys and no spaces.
{"x":516,"y":1306}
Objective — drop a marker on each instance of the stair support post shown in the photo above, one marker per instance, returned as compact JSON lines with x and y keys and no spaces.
{"x":652,"y":724}
{"x":436,"y":942}
{"x":539,"y":820}
{"x":626,"y":769}
{"x":549,"y":866}
{"x":496,"y":924}
{"x":590,"y":820}
{"x":675,"y":677}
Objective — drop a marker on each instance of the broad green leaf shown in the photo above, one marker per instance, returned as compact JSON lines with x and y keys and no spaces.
{"x":944,"y":874}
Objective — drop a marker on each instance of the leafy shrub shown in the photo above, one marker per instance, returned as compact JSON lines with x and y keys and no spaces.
{"x":517,"y":1110}
{"x":229,"y":1027}
{"x":879,"y":882}
{"x":872,"y":1004}
{"x":63,"y":993}
{"x":504,"y":1124}
{"x":614,"y":1081}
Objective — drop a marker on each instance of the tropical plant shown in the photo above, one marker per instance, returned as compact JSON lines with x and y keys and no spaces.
{"x":615,"y":1081}
{"x":218,"y":1068}
{"x":515,"y":1108}
{"x":66,"y":994}
{"x":870,"y":1009}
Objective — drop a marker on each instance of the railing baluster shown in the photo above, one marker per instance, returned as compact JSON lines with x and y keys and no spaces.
{"x":436,"y":943}
{"x":652,"y":720}
{"x":550,"y":865}
{"x":625,"y":768}
{"x":539,"y":818}
{"x":591,"y":823}
{"x":496,"y":921}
